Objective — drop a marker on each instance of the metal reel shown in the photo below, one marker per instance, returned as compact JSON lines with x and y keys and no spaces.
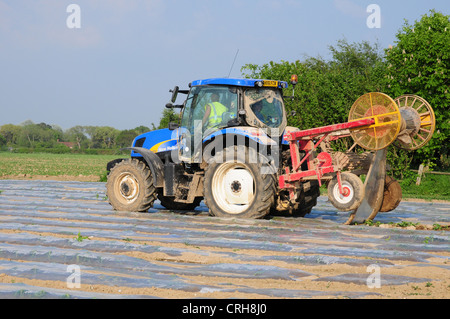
{"x":386,"y":114}
{"x":420,"y":125}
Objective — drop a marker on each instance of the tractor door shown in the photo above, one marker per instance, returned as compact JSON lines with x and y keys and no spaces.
{"x":207,"y":109}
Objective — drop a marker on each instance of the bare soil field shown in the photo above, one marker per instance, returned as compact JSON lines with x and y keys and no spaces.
{"x":61,"y":239}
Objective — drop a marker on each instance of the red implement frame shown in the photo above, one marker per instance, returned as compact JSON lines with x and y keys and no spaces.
{"x":322,"y":164}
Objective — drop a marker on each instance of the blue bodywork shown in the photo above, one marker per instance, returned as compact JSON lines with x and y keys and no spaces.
{"x":157,"y":141}
{"x":236,"y":82}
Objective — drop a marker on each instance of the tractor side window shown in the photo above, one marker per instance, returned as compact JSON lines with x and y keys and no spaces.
{"x":266,"y":105}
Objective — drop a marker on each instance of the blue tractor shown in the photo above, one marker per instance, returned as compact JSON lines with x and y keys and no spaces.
{"x":227,"y":149}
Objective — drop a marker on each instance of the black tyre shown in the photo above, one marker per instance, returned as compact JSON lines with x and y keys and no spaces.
{"x":308,"y":199}
{"x":353,"y":189}
{"x":130,"y":186}
{"x":392,"y":195}
{"x":239,"y":184}
{"x":170,"y":203}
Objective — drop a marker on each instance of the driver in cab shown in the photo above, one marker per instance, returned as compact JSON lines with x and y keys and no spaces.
{"x":213,"y":112}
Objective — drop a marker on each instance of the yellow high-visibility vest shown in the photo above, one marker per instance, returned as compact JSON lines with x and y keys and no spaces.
{"x":215,"y":116}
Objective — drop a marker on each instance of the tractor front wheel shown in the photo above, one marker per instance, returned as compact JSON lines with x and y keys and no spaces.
{"x":130,"y":186}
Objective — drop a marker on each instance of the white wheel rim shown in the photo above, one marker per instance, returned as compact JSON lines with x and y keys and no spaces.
{"x":233,"y":187}
{"x":348,"y":190}
{"x":128,"y":187}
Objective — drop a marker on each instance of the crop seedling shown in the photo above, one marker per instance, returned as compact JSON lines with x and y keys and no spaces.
{"x":406,"y":224}
{"x":80,"y":238}
{"x":440,"y":227}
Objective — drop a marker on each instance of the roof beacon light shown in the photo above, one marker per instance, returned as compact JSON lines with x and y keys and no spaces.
{"x":294,"y":79}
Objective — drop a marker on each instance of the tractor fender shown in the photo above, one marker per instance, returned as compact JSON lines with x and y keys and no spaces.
{"x":153,"y":161}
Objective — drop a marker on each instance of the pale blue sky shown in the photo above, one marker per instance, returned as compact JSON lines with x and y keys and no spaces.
{"x":117,"y":69}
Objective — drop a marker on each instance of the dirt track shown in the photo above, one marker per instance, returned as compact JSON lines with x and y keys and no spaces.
{"x":48,"y":225}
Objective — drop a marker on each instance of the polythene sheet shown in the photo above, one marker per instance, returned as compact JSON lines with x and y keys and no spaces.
{"x":45,"y":226}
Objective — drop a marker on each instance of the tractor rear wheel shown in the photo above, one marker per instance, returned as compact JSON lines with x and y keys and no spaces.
{"x":235,"y":186}
{"x":308,"y":200}
{"x":130,"y":186}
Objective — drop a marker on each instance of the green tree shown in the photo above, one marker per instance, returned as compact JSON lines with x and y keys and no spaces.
{"x":419,"y":63}
{"x":39,"y":135}
{"x":11,"y":133}
{"x":168,"y":116}
{"x":328,"y":88}
{"x":125,"y":138}
{"x":141,"y":129}
{"x":104,"y":137}
{"x":2,"y":140}
{"x":76,"y":134}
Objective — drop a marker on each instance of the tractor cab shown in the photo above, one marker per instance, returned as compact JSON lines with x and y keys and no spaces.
{"x":215,"y":105}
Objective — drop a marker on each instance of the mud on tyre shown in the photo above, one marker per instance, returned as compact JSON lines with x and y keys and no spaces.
{"x":239,"y":183}
{"x":130,"y":186}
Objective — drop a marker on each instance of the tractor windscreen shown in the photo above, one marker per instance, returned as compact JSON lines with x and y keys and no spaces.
{"x":211,"y":106}
{"x":266,"y":106}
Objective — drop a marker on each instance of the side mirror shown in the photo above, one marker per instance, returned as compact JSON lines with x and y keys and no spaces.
{"x":171,"y":106}
{"x":173,"y":126}
{"x":174,"y":94}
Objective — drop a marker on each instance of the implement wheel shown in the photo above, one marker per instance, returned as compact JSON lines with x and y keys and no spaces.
{"x":353,"y":189}
{"x":130,"y":186}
